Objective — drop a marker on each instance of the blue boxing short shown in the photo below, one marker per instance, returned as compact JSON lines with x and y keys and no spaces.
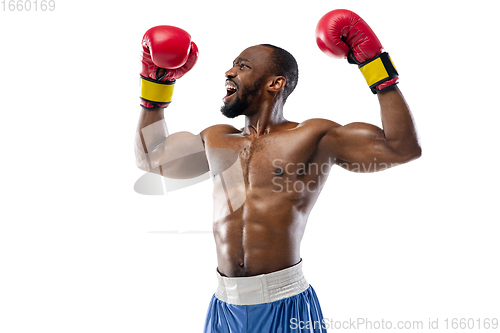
{"x":278,"y":302}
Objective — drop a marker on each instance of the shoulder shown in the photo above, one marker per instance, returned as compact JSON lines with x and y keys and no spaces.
{"x":216,"y":130}
{"x":319,"y":126}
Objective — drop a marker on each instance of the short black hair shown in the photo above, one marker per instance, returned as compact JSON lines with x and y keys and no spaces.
{"x":284,"y":64}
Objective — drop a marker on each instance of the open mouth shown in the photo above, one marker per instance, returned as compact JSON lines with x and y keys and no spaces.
{"x":231,"y":88}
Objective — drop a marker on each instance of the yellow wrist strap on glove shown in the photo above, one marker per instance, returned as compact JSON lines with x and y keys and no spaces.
{"x":378,"y":70}
{"x":159,"y":92}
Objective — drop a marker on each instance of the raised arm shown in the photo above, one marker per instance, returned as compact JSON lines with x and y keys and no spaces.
{"x":167,"y":54}
{"x":359,"y":146}
{"x":362,"y":147}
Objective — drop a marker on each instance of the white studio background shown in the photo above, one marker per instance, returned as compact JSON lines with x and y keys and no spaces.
{"x":80,"y":251}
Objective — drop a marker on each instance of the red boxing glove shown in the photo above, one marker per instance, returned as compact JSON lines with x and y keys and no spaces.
{"x":167,"y":54}
{"x":342,"y":33}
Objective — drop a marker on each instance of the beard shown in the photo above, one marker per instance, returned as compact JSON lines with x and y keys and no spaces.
{"x":241,"y":104}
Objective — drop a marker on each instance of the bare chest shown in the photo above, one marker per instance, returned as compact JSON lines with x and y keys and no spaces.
{"x":261,"y":159}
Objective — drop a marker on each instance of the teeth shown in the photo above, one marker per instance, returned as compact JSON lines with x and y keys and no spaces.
{"x":230,"y":85}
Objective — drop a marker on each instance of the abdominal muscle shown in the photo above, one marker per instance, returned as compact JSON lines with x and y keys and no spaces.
{"x":259,"y":236}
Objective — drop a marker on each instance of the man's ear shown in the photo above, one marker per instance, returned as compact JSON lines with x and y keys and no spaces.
{"x":277,"y":83}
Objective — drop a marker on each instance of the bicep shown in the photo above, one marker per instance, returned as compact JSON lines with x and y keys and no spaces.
{"x":359,"y":147}
{"x":180,"y":156}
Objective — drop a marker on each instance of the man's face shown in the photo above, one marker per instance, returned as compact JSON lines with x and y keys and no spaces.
{"x":244,"y":81}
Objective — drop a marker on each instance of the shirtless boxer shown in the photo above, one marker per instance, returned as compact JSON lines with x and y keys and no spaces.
{"x":258,"y":223}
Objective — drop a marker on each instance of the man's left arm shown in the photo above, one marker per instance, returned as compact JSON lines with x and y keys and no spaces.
{"x":364,"y":147}
{"x":359,"y":146}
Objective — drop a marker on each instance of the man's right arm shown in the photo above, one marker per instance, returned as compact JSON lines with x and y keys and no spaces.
{"x":167,"y":54}
{"x":178,"y":156}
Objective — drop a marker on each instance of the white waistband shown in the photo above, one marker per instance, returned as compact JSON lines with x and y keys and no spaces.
{"x":263,"y":288}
